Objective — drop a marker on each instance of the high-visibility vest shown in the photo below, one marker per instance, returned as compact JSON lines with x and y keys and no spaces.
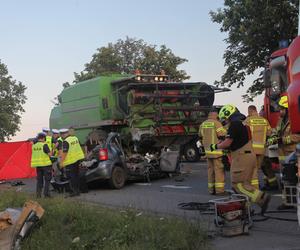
{"x":74,"y":153}
{"x":49,"y":142}
{"x":209,"y":130}
{"x":39,"y":158}
{"x":259,"y":127}
{"x":55,"y":153}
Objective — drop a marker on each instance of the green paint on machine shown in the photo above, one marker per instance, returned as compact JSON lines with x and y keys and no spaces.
{"x":136,"y":106}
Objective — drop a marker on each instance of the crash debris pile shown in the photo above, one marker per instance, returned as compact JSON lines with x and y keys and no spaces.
{"x":16,"y":224}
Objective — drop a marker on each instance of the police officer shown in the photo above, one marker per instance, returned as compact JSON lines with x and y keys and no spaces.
{"x":260,"y":129}
{"x":238,"y":140}
{"x":55,"y":142}
{"x":71,"y":156}
{"x":48,"y":137}
{"x":56,"y":153}
{"x":210,"y":132}
{"x":40,"y":160}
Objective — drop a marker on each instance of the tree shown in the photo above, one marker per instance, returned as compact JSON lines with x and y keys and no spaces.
{"x":125,"y":56}
{"x":254,"y":30}
{"x":12,"y":98}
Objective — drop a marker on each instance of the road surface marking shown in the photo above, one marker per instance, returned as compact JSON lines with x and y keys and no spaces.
{"x":143,"y":184}
{"x":178,"y":187}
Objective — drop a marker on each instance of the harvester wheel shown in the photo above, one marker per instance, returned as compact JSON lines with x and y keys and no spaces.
{"x":191,"y":152}
{"x":118,"y":178}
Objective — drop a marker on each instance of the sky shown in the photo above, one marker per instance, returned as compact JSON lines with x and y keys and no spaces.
{"x":44,"y":42}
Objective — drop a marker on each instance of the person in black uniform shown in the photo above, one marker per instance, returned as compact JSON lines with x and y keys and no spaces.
{"x":238,"y":140}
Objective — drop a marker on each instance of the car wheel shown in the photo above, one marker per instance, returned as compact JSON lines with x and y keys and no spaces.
{"x":191,"y":152}
{"x":118,"y":178}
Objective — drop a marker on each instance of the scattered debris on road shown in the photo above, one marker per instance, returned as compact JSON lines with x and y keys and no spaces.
{"x":16,"y":224}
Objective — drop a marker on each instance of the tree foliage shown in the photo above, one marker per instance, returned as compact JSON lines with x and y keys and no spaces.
{"x":12,"y":98}
{"x":254,"y":29}
{"x":125,"y":56}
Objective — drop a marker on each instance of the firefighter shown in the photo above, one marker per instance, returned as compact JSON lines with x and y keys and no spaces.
{"x":260,"y":129}
{"x":238,"y":140}
{"x":282,"y":135}
{"x":48,"y":137}
{"x":40,"y":160}
{"x":70,"y":159}
{"x":210,"y":132}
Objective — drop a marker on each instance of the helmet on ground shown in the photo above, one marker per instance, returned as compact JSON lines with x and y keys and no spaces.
{"x":283,"y":101}
{"x":226,"y":111}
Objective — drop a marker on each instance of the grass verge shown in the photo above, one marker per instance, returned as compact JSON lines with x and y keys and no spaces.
{"x":103,"y":228}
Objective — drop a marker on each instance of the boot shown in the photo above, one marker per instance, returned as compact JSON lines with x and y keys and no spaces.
{"x":225,"y":193}
{"x":264,"y":202}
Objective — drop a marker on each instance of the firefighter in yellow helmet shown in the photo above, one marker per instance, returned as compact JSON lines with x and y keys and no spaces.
{"x":260,"y":129}
{"x":238,"y":140}
{"x":40,"y":159}
{"x":210,"y":132}
{"x":72,"y":154}
{"x":282,"y":135}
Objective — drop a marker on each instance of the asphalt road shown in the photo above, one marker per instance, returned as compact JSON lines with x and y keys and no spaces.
{"x":162,"y":197}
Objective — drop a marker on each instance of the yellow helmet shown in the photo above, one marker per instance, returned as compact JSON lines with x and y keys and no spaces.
{"x":283,"y":101}
{"x":226,"y":111}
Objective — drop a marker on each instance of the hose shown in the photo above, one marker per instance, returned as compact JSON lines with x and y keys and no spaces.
{"x":203,"y":207}
{"x":266,"y":217}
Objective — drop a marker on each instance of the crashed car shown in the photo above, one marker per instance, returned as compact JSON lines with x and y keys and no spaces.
{"x":109,"y":162}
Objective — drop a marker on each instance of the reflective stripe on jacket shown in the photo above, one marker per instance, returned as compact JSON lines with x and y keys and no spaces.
{"x":260,"y":128}
{"x":210,"y":130}
{"x":39,"y":158}
{"x":74,"y":153}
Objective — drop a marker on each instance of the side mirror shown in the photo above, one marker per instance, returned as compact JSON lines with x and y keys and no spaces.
{"x":267,"y":78}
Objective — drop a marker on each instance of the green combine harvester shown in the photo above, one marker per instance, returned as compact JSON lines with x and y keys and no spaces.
{"x":149,"y":111}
